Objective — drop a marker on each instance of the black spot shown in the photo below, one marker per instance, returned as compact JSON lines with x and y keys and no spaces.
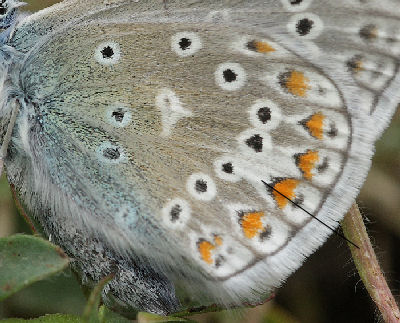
{"x":227,"y":168}
{"x":266,"y":233}
{"x":297,"y":158}
{"x":333,"y":131}
{"x":264,"y":114}
{"x":255,"y":142}
{"x":368,"y":32}
{"x":229,"y":75}
{"x":353,"y":64}
{"x":111,"y":153}
{"x":200,"y":241}
{"x":304,"y":123}
{"x":304,"y":26}
{"x":185,"y":43}
{"x":378,"y":72}
{"x":107,"y":52}
{"x":321,"y":90}
{"x":295,"y":2}
{"x":283,"y":79}
{"x":240,"y":215}
{"x":175,"y":212}
{"x":251,"y":45}
{"x":201,"y":186}
{"x":118,"y":115}
{"x":219,"y":260}
{"x":324,"y":166}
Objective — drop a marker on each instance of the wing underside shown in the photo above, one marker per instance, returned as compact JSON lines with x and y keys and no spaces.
{"x":180,"y":128}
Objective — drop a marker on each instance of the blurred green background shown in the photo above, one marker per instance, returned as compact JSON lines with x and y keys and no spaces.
{"x":326,"y":289}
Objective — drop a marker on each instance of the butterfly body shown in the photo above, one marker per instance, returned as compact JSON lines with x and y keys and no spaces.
{"x":146,"y":136}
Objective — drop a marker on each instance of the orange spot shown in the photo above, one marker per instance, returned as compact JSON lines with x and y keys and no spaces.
{"x":307,"y":163}
{"x":263,"y":47}
{"x":369,"y":32}
{"x":315,"y":125}
{"x":374,"y":33}
{"x":286,"y":187}
{"x":218,"y":240}
{"x":251,"y":224}
{"x":358,"y":66}
{"x":297,"y":84}
{"x":205,"y":249}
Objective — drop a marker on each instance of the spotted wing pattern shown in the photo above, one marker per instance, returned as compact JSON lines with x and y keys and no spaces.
{"x":175,"y":129}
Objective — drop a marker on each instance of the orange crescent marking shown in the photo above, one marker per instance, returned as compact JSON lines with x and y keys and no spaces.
{"x":297,"y":84}
{"x":307,"y":163}
{"x":286,"y":187}
{"x":205,"y":249}
{"x":315,"y":125}
{"x":218,"y":240}
{"x":263,"y":47}
{"x":251,"y":224}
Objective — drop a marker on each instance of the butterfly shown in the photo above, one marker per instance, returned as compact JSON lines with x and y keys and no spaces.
{"x":193,"y":148}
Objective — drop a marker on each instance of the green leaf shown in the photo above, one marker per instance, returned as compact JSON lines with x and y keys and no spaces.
{"x":27,"y":259}
{"x":153,"y":318}
{"x":108,"y":316}
{"x":54,"y":318}
{"x":91,"y":313}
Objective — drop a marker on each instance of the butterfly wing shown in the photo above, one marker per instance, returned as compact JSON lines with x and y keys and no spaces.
{"x":169,"y":134}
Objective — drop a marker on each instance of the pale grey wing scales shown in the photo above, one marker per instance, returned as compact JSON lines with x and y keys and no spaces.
{"x":198,"y":140}
{"x":372,"y":54}
{"x":357,"y":45}
{"x":181,"y":123}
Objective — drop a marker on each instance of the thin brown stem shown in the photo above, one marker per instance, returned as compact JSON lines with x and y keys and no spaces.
{"x":21,"y":210}
{"x":368,"y":266}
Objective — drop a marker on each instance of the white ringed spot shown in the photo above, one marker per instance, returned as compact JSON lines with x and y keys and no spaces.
{"x":254,"y":46}
{"x":110,"y":153}
{"x":219,"y":254}
{"x":327,"y":126}
{"x":225,"y":169}
{"x":118,"y":115}
{"x":318,"y":166}
{"x":262,"y":230}
{"x":305,"y":25}
{"x":302,"y":83}
{"x":201,"y":187}
{"x":230,"y":76}
{"x":176,"y":213}
{"x":255,"y":141}
{"x":265,"y":114}
{"x":186,"y":43}
{"x":108,"y":53}
{"x":306,"y":196}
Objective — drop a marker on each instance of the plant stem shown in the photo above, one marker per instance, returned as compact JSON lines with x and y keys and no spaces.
{"x":368,"y":266}
{"x":21,"y":209}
